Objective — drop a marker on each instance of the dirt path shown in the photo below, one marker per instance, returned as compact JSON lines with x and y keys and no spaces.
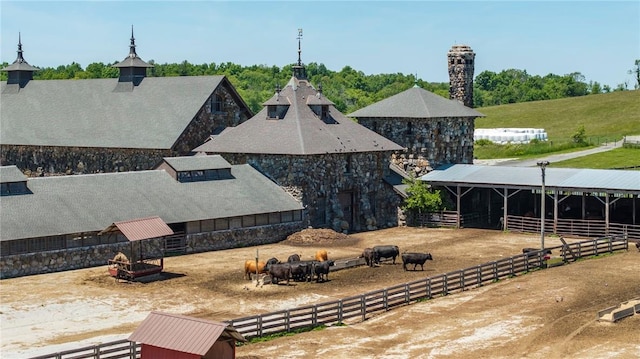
{"x":543,"y":314}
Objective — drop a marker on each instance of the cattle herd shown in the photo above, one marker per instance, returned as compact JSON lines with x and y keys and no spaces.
{"x":293,"y":269}
{"x":307,"y":270}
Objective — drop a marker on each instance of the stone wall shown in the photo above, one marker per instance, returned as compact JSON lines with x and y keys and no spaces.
{"x":53,"y":160}
{"x":95,"y":256}
{"x":429,"y":143}
{"x":320,"y":180}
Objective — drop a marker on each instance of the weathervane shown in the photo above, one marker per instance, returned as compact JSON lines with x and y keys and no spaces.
{"x":299,"y":51}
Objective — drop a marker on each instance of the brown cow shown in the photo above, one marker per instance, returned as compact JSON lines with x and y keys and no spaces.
{"x":321,"y":255}
{"x":250,"y":267}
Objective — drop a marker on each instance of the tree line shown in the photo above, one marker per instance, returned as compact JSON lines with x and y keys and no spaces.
{"x":351,"y":89}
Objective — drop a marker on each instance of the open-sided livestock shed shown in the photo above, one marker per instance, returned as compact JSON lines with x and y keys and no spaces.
{"x":173,"y":336}
{"x":498,"y":196}
{"x":137,"y":230}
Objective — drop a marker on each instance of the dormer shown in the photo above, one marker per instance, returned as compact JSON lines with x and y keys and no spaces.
{"x":277,"y":106}
{"x":19,"y":72}
{"x":197,"y":168}
{"x":320,"y":105}
{"x":132,"y":69}
{"x":12,"y":181}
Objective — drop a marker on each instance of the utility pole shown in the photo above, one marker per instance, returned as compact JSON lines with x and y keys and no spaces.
{"x":543,"y":165}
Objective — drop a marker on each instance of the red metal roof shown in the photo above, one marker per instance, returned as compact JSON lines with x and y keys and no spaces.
{"x":142,"y":228}
{"x":181,"y":333}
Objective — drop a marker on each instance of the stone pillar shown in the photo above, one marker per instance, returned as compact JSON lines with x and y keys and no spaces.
{"x":461,"y":61}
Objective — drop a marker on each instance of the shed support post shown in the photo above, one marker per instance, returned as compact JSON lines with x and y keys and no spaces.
{"x":458,"y":196}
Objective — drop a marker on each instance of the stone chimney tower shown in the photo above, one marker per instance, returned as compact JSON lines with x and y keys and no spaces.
{"x":461,"y":62}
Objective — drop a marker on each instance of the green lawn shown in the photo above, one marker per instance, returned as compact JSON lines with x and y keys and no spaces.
{"x":605,"y":118}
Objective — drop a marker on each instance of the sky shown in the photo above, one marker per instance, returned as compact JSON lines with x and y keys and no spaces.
{"x":599,"y":39}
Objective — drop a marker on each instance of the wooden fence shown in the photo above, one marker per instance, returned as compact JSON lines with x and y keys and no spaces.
{"x":366,"y":305}
{"x":574,"y":227}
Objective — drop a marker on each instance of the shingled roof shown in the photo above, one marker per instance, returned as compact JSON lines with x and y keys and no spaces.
{"x":301,"y":131}
{"x":416,"y":103}
{"x":88,"y":113}
{"x":88,"y":203}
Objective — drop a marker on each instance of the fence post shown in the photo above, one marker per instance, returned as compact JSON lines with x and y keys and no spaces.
{"x":287,"y":321}
{"x":429,"y":288}
{"x":495,"y":271}
{"x":314,"y":315}
{"x":340,"y":311}
{"x":445,"y":291}
{"x":595,"y":247}
{"x":363,"y":308}
{"x":407,"y":294}
{"x":462,"y":280}
{"x":385,"y":299}
{"x":259,"y":326}
{"x":479,"y":275}
{"x":511,"y":269}
{"x":96,"y":351}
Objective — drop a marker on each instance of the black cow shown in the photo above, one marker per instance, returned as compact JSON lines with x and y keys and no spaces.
{"x":530,"y":252}
{"x":272,"y":260}
{"x":638,"y":245}
{"x":279,"y":271}
{"x":302,"y":271}
{"x":293,"y":258}
{"x":321,"y":270}
{"x":415,"y":259}
{"x":380,"y":252}
{"x":367,"y":254}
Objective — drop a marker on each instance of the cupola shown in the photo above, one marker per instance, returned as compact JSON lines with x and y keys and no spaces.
{"x":132,"y":69}
{"x":19,"y":72}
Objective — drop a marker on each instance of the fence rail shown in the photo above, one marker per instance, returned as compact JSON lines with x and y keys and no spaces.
{"x":371,"y":303}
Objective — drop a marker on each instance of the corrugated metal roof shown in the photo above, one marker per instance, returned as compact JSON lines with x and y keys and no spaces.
{"x":181,"y":333}
{"x":589,"y":180}
{"x":141,"y":228}
{"x":82,"y":112}
{"x":90,"y":203}
{"x":300,"y":132}
{"x":416,"y":103}
{"x":195,"y":163}
{"x":11,"y":174}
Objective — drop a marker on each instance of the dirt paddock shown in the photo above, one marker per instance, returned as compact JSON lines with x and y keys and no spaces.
{"x":542,"y":314}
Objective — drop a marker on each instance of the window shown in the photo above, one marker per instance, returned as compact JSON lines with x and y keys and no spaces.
{"x":198,"y":176}
{"x":235,"y":222}
{"x":248,"y":221}
{"x":287,"y":216}
{"x":272,"y":112}
{"x":262,"y":219}
{"x":216,"y":103}
{"x":347,"y":167}
{"x":222,"y":224}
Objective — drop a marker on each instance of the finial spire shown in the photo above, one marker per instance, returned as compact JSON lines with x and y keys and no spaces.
{"x":299,"y":49}
{"x":415,"y":81}
{"x":132,"y":45}
{"x":20,"y":58}
{"x":298,"y":70}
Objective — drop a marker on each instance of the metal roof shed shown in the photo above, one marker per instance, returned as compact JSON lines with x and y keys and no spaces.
{"x":607,"y":187}
{"x":173,"y":336}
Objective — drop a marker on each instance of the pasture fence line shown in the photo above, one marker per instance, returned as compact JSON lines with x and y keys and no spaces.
{"x":366,"y":305}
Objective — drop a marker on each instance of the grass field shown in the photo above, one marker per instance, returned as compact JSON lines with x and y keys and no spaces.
{"x":605,"y":118}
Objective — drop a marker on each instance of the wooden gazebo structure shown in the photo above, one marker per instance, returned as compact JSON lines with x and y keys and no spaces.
{"x":137,"y":230}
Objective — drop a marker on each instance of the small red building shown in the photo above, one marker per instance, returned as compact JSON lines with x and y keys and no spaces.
{"x":172,"y":336}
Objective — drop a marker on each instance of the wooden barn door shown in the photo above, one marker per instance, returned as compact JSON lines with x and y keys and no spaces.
{"x":346,"y":203}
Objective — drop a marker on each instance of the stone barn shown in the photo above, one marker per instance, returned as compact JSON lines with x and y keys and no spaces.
{"x":172,"y":336}
{"x":57,"y":223}
{"x":434,"y":130}
{"x":303,"y":143}
{"x":110,"y":125}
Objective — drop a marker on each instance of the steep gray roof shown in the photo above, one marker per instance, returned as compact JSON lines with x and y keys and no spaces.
{"x":88,"y":113}
{"x":569,"y":179}
{"x":87,"y":203}
{"x":416,"y":103}
{"x":300,"y":132}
